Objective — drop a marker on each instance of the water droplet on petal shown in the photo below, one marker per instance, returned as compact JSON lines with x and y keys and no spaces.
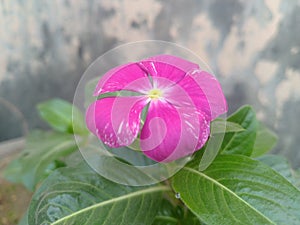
{"x":177,"y":195}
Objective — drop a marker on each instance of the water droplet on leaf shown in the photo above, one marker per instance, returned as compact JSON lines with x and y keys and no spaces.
{"x":177,"y":195}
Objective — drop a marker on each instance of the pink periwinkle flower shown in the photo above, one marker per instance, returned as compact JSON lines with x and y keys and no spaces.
{"x":181,"y":101}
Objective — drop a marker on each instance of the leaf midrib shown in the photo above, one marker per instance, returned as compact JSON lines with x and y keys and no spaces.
{"x":114,"y":200}
{"x":226,"y":189}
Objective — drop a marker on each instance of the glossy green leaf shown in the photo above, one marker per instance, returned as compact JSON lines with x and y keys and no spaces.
{"x":265,"y":141}
{"x":80,"y":196}
{"x":223,"y":126}
{"x":280,"y":164}
{"x":277,"y":163}
{"x":218,"y":129}
{"x":241,"y":142}
{"x":39,"y":158}
{"x":62,"y":116}
{"x":234,"y":136}
{"x":238,"y":190}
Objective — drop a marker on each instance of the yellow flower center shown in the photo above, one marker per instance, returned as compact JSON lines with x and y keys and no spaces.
{"x":155,"y":93}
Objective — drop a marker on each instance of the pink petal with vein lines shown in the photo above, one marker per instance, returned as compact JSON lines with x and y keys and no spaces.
{"x":170,"y":133}
{"x":121,"y":78}
{"x":116,"y":120}
{"x":199,"y":89}
{"x":187,"y":93}
{"x":167,"y":66}
{"x":212,"y":90}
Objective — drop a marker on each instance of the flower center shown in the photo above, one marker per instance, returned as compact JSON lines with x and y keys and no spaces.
{"x":155,"y":93}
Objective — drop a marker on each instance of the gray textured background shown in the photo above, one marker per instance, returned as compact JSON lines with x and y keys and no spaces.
{"x":252,"y":46}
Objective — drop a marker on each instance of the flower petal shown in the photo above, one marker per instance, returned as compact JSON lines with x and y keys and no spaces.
{"x":187,"y":93}
{"x":167,"y":66}
{"x":212,"y":89}
{"x":170,"y":133}
{"x":180,"y":63}
{"x":199,"y":89}
{"x":125,"y":77}
{"x":116,"y":120}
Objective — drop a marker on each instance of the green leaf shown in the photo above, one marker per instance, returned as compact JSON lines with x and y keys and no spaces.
{"x":238,"y":190}
{"x":136,"y":158}
{"x":218,"y":129}
{"x":234,"y":136}
{"x":62,"y":116}
{"x":169,"y":214}
{"x":80,"y":196}
{"x":210,"y":151}
{"x":241,"y":142}
{"x":123,"y":172}
{"x":223,"y":126}
{"x":280,"y":164}
{"x":265,"y":141}
{"x":39,"y":158}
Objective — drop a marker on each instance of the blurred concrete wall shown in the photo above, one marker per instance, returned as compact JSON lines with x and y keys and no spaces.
{"x":252,"y":46}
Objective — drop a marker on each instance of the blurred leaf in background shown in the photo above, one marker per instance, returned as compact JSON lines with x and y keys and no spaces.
{"x":62,"y":116}
{"x":45,"y":151}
